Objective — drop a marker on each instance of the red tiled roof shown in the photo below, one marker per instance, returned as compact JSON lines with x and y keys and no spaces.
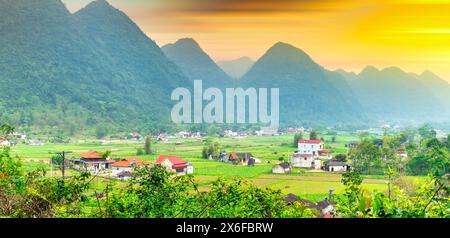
{"x":92,"y":155}
{"x":310,"y":141}
{"x":234,"y":156}
{"x":179,"y":166}
{"x":129,"y":162}
{"x":173,"y":159}
{"x":325,"y":151}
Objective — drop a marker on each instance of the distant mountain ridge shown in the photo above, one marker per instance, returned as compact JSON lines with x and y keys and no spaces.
{"x":196,"y":63}
{"x":82,"y":70}
{"x":393,"y":94}
{"x":95,"y":69}
{"x":308,"y":92}
{"x":236,"y":68}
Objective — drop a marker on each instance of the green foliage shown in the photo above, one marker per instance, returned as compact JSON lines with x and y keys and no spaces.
{"x":341,"y":158}
{"x":156,"y":193}
{"x":429,"y":200}
{"x":210,"y":148}
{"x":101,"y":131}
{"x":298,"y":136}
{"x":313,"y":135}
{"x":36,"y":195}
{"x":139,"y":151}
{"x":148,"y":145}
{"x":431,"y":156}
{"x":448,"y":142}
{"x":427,"y":132}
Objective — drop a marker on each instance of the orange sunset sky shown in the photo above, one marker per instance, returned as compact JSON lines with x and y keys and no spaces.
{"x":347,"y":34}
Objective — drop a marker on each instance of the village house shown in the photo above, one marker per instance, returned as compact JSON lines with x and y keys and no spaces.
{"x":183,"y":135}
{"x":135,"y":136}
{"x":311,"y":147}
{"x":325,"y":154}
{"x":267,"y":132}
{"x":124,"y":175}
{"x":18,"y":135}
{"x":163,"y":138}
{"x":4,"y":142}
{"x":242,"y":159}
{"x":335,"y":166}
{"x":175,"y":164}
{"x":34,"y":142}
{"x":228,"y":133}
{"x":352,"y":144}
{"x":93,"y":161}
{"x":127,"y":165}
{"x":401,"y":153}
{"x":282,"y":168}
{"x":305,"y":161}
{"x":325,"y":207}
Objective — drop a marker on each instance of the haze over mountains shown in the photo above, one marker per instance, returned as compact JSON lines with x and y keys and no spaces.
{"x":68,"y":72}
{"x":392,"y":94}
{"x":195,"y":63}
{"x":72,"y":71}
{"x":236,"y":68}
{"x":308,"y":92}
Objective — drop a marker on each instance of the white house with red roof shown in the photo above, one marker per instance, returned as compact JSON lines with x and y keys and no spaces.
{"x":93,"y":161}
{"x":310,"y":147}
{"x":175,"y":164}
{"x":127,"y":165}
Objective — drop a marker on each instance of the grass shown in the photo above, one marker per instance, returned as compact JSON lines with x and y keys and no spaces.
{"x":309,"y":185}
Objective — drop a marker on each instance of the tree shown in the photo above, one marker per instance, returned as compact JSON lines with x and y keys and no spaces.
{"x":427,"y":132}
{"x":210,"y":148}
{"x":139,"y":151}
{"x":313,"y":135}
{"x":365,"y":156}
{"x":148,"y":145}
{"x":298,"y":136}
{"x":352,"y":181}
{"x":101,"y":132}
{"x":341,"y":158}
{"x":6,"y":129}
{"x":448,"y":142}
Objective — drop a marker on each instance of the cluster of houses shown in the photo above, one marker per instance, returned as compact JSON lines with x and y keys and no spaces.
{"x":246,"y":159}
{"x":310,"y":155}
{"x":22,"y":139}
{"x":123,"y":168}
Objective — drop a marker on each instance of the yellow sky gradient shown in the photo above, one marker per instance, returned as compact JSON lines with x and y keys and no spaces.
{"x":347,"y":34}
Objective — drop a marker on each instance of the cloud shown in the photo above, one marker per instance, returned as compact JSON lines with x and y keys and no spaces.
{"x":252,"y":6}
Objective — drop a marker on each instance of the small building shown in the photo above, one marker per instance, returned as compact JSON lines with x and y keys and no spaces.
{"x":282,"y":168}
{"x":326,"y":207}
{"x":125,"y":175}
{"x":127,"y":165}
{"x":175,"y":164}
{"x":183,"y":135}
{"x":241,"y":158}
{"x":4,"y":142}
{"x":34,"y":142}
{"x":352,"y":144}
{"x":163,"y":138}
{"x":311,"y":147}
{"x":335,"y":166}
{"x":94,"y":161}
{"x":267,"y":132}
{"x":401,"y":153}
{"x":325,"y":154}
{"x":307,"y":161}
{"x":135,"y":136}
